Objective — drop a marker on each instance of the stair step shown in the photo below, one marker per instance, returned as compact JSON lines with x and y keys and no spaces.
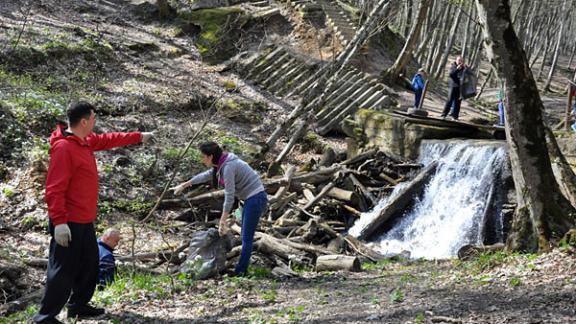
{"x":263,"y":74}
{"x":296,"y":81}
{"x":262,"y":62}
{"x":280,"y":71}
{"x":286,"y":78}
{"x":350,"y":100}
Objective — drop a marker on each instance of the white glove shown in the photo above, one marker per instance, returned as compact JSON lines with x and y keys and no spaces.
{"x":223,"y":227}
{"x":147,"y":136}
{"x":179,"y":188}
{"x":62,"y":234}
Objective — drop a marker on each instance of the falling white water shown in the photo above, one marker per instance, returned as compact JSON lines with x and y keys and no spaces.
{"x":451,"y":210}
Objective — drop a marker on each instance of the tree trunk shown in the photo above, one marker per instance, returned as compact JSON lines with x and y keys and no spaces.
{"x":440,"y":45}
{"x":541,"y":215}
{"x":466,"y":31}
{"x":163,"y":8}
{"x":406,"y":53}
{"x":442,"y":64}
{"x":557,"y":49}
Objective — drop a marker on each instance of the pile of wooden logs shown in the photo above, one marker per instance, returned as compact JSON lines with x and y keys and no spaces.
{"x":309,"y":212}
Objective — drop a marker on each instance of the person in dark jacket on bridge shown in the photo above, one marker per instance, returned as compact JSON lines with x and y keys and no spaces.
{"x":452,"y":106}
{"x":107,"y":264}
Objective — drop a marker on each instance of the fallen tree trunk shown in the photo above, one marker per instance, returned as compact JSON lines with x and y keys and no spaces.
{"x":337,"y":263}
{"x":398,"y":203}
{"x":470,"y":251}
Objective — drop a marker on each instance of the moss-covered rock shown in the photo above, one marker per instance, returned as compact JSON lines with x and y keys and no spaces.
{"x":241,"y":111}
{"x":220,"y":30}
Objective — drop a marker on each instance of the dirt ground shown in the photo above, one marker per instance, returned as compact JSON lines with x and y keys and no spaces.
{"x":159,"y":88}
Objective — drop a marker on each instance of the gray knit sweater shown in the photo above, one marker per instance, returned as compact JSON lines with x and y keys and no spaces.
{"x":240,"y":180}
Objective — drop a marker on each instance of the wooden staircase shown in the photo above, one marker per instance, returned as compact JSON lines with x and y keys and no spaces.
{"x":286,"y":74}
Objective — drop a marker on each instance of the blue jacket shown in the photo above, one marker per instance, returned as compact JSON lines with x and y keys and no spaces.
{"x":417,"y":82}
{"x":107,"y":265}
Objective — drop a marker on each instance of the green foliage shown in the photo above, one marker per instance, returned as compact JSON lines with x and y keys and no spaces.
{"x":380,"y":265}
{"x":514,"y":282}
{"x":298,"y":268}
{"x":259,"y":273}
{"x":172,"y":154}
{"x":485,"y":261}
{"x":375,"y":300}
{"x":28,"y":222}
{"x":135,"y":286}
{"x":37,"y":149}
{"x":20,"y":317}
{"x":420,"y":318}
{"x":268,"y":295}
{"x":292,"y":314}
{"x":137,"y":206}
{"x":407,"y":277}
{"x":397,"y":296}
{"x":8,"y":192}
{"x":230,"y":85}
{"x":311,"y":142}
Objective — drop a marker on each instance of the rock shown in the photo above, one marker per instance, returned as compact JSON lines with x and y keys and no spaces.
{"x":418,"y":112}
{"x":569,"y":239}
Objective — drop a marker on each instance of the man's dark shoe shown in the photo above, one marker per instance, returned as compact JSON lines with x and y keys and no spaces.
{"x":84,"y":311}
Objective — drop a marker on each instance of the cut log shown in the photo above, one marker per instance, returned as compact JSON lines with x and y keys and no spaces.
{"x":353,"y":211}
{"x":388,"y":178}
{"x":308,"y":194}
{"x":341,"y":194}
{"x":337,"y":263}
{"x":399,"y":203}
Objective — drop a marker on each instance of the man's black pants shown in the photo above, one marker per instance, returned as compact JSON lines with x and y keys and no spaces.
{"x":453,"y":102}
{"x":72,"y":271}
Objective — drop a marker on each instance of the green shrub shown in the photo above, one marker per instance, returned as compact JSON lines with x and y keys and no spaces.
{"x":397,"y":296}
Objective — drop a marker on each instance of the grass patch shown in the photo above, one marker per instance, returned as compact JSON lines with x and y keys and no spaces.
{"x":136,"y":286}
{"x":8,"y":192}
{"x":137,"y":206}
{"x":20,"y":317}
{"x":397,"y":296}
{"x":380,"y":265}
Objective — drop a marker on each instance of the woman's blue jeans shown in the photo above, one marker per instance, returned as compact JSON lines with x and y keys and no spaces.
{"x":253,"y":208}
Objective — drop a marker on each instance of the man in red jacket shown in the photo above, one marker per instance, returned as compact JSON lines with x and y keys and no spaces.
{"x":72,"y":198}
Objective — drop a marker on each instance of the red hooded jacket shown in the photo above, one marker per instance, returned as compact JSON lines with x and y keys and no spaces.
{"x":72,"y":181}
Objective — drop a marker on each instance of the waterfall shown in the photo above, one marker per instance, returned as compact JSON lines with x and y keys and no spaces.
{"x":452,"y":210}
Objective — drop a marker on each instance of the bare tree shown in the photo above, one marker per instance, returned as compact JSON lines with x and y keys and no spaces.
{"x":406,"y":53}
{"x":557,"y":50}
{"x":543,"y":213}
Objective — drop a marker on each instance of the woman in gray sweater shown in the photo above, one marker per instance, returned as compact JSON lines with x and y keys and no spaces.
{"x":239,"y":180}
